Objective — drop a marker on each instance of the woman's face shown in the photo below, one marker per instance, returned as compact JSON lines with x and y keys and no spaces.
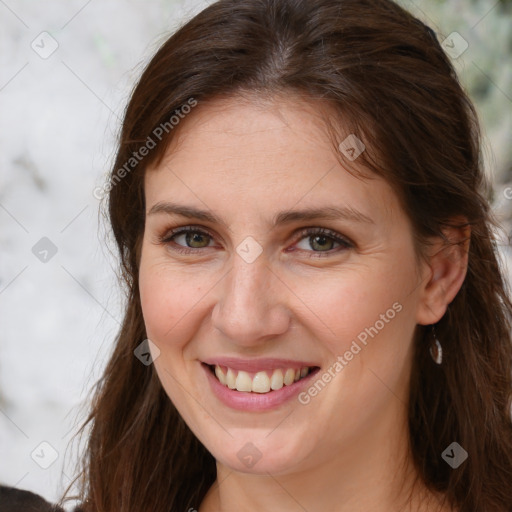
{"x":256,"y":289}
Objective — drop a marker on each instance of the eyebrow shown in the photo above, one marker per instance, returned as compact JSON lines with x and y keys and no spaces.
{"x":284,"y":217}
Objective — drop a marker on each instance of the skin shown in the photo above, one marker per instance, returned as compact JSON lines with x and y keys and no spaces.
{"x":347,"y":449}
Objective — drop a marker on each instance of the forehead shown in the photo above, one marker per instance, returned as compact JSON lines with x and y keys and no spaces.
{"x":259,"y":157}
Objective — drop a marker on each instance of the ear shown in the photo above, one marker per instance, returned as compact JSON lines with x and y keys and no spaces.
{"x":443,"y":271}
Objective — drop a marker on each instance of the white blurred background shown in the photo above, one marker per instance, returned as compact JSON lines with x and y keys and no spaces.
{"x":66,"y":70}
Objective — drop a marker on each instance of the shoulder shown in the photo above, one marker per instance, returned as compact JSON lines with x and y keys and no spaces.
{"x":18,"y":500}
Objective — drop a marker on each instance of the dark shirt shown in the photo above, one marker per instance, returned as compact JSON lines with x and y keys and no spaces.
{"x":17,"y":500}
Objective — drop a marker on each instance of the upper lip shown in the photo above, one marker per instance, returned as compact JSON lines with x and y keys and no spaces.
{"x":255,"y":365}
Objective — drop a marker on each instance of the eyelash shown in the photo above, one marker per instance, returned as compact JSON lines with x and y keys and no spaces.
{"x":344,"y":242}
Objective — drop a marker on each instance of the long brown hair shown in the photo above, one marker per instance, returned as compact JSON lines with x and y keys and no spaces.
{"x":386,"y":75}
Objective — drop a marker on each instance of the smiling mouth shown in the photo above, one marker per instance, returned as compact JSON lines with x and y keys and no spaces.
{"x":264,"y":381}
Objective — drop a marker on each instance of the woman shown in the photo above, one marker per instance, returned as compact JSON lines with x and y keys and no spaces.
{"x":315,"y":317}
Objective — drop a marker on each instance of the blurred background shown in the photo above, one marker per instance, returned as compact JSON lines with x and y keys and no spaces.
{"x":66,"y":71}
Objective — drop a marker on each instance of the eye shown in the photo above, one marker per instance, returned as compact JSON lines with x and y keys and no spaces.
{"x":197,"y":238}
{"x":322,"y":240}
{"x":190,"y":239}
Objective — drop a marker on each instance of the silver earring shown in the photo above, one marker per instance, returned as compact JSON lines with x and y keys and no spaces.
{"x":436,"y":350}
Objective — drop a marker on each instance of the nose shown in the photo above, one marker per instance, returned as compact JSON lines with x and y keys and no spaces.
{"x":251,"y":303}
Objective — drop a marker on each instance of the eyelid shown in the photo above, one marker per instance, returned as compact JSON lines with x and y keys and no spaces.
{"x":169,"y":233}
{"x":298,"y":235}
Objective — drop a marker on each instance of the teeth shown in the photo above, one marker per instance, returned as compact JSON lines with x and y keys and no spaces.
{"x":261,"y":382}
{"x":220,"y":375}
{"x":230,"y":378}
{"x":289,"y":376}
{"x":277,"y":380}
{"x":243,"y":382}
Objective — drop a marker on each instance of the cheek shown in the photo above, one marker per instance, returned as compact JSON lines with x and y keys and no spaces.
{"x":169,"y":301}
{"x":360,"y":302}
{"x":375,"y":328}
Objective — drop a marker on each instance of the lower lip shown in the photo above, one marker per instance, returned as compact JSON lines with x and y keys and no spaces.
{"x":250,"y":401}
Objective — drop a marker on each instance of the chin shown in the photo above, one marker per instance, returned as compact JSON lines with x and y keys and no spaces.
{"x":259,"y":455}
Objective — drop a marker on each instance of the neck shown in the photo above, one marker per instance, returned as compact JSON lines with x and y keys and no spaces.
{"x":373,"y":474}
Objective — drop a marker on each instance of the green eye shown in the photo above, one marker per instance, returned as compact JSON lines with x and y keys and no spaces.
{"x":321,"y":240}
